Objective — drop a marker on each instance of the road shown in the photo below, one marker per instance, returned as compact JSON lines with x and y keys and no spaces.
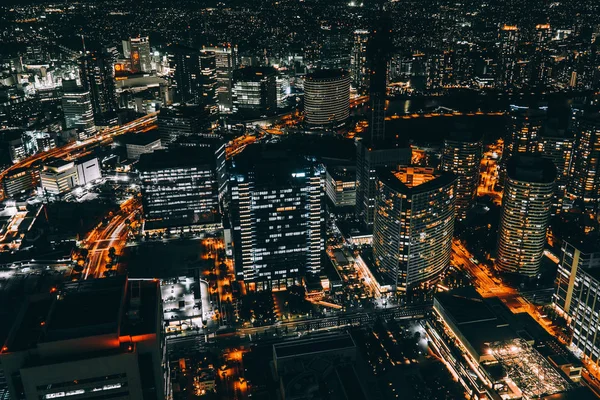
{"x":79,"y":148}
{"x":489,"y":172}
{"x":114,"y":234}
{"x":487,"y":285}
{"x":341,"y":320}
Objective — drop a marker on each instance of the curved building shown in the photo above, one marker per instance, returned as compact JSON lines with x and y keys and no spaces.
{"x":414,"y":224}
{"x":327,"y":97}
{"x":526,"y":207}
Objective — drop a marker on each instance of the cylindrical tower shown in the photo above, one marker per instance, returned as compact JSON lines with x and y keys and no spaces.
{"x":414,"y":224}
{"x":526,"y":207}
{"x":327,"y":97}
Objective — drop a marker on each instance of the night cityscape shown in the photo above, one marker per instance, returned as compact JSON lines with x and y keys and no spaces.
{"x":300,"y":199}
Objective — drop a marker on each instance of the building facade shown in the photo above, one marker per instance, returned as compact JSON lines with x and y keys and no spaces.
{"x":255,"y":91}
{"x":414,"y":225}
{"x":99,"y":339}
{"x":577,"y":296}
{"x":359,"y":67}
{"x":327,"y":97}
{"x":139,"y":48}
{"x":584,"y":182}
{"x":275,"y":205}
{"x":179,"y":189}
{"x":98,"y":78}
{"x":462,"y":155}
{"x":369,"y":158}
{"x":58,"y":177}
{"x":526,"y":209}
{"x":226,"y":60}
{"x":523,"y":133}
{"x":78,"y":110}
{"x":557,"y":146}
{"x":340,"y":186}
{"x":88,"y":170}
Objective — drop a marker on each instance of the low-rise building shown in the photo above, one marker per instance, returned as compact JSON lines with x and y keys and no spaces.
{"x":340,"y":186}
{"x":88,"y":170}
{"x":97,"y":339}
{"x":58,"y":177}
{"x":141,"y":144}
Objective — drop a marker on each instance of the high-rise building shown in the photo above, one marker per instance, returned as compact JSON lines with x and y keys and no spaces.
{"x":275,"y":205}
{"x":526,"y":208}
{"x":335,"y":50}
{"x":98,"y":78}
{"x":327,"y":97}
{"x":78,"y":110}
{"x":195,"y":76}
{"x":541,"y":59}
{"x":556,"y":144}
{"x":359,"y":67}
{"x":414,"y":225}
{"x":139,"y":48}
{"x":97,"y":338}
{"x":378,"y":54}
{"x":369,"y":158}
{"x":255,"y":91}
{"x":577,"y":296}
{"x":523,"y":133}
{"x":183,"y":120}
{"x":186,"y":62}
{"x":462,"y":155}
{"x":226,"y":59}
{"x":179,"y":188}
{"x":584,"y":181}
{"x":507,"y":57}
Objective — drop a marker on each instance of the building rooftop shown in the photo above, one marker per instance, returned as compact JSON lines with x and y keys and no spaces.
{"x":415,"y":180}
{"x":271,"y":163}
{"x":253,"y":73}
{"x":87,"y":308}
{"x":326,"y":75}
{"x":313,"y":345}
{"x":531,"y":168}
{"x":140,"y":139}
{"x":177,"y":157}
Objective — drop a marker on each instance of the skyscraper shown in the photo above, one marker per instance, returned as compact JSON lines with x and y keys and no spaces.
{"x":97,"y":77}
{"x":369,"y":158}
{"x":523,"y":133}
{"x":184,"y":120}
{"x":327,"y":97}
{"x":139,"y":48}
{"x":414,"y":225}
{"x":226,"y":59}
{"x":526,"y":208}
{"x":180,"y":188}
{"x":556,"y":144}
{"x":462,"y":155}
{"x":378,"y":54}
{"x":275,"y":205}
{"x":195,"y":77}
{"x":584,"y":182}
{"x":507,"y":55}
{"x":78,"y":110}
{"x":577,"y":296}
{"x":359,"y":68}
{"x":255,"y":91}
